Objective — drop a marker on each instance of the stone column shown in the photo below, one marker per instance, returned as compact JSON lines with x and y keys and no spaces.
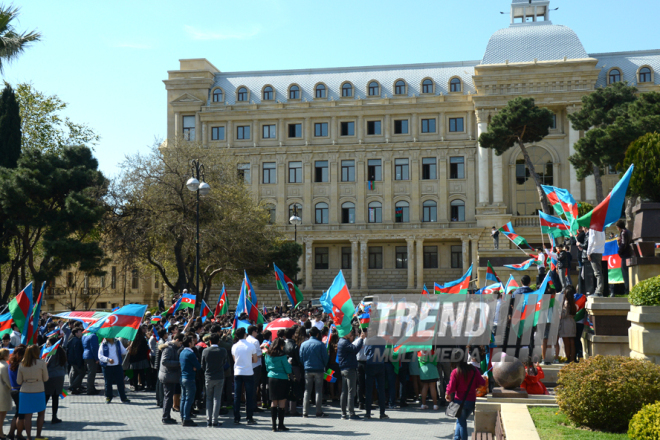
{"x":309,"y":263}
{"x":387,"y":128}
{"x":229,"y":136}
{"x":498,"y":179}
{"x":475,"y":258}
{"x":364,"y":263}
{"x":465,"y":253}
{"x":354,"y":264}
{"x":205,"y":136}
{"x":280,"y":131}
{"x":281,"y":210}
{"x":177,"y":124}
{"x":360,"y":129}
{"x":333,"y":163}
{"x":414,"y":130}
{"x":420,"y":263}
{"x":411,"y":262}
{"x":388,"y":183}
{"x":198,"y":127}
{"x":443,"y":185}
{"x":361,"y":188}
{"x":590,"y":188}
{"x":333,"y":129}
{"x":308,"y":209}
{"x":573,"y":137}
{"x":307,"y":128}
{"x":441,"y":126}
{"x":482,"y":154}
{"x":415,"y":189}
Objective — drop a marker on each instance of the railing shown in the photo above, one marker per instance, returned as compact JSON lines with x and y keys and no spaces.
{"x":527,"y":220}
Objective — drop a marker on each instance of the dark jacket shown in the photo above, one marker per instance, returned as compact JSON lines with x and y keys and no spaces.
{"x":213,"y":363}
{"x":90,"y":346}
{"x":522,"y":290}
{"x":170,"y":368}
{"x":347,"y":353}
{"x":139,"y":351}
{"x":375,"y":354}
{"x":74,"y":352}
{"x":313,"y":355}
{"x":291,"y":350}
{"x":624,"y":240}
{"x":189,"y":364}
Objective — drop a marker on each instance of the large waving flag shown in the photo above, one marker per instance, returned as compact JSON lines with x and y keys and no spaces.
{"x":580,"y":302}
{"x":509,"y":233}
{"x":285,"y":283}
{"x":187,"y":301}
{"x":206,"y":311}
{"x":611,"y":255}
{"x":553,"y":226}
{"x":562,"y":202}
{"x":244,"y":305}
{"x":173,"y":308}
{"x":47,"y":352}
{"x":533,"y":300}
{"x":5,"y":324}
{"x":123,"y":323}
{"x":86,"y":318}
{"x":491,"y":275}
{"x":339,"y":299}
{"x":609,"y":210}
{"x":223,"y":305}
{"x":251,"y":294}
{"x":461,"y":285}
{"x":21,"y":309}
{"x":522,"y":266}
{"x":488,"y":290}
{"x":511,"y":285}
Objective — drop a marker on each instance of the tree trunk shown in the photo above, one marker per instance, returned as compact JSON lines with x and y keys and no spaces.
{"x":599,"y":185}
{"x":630,"y":217}
{"x":537,"y":180}
{"x":180,"y":266}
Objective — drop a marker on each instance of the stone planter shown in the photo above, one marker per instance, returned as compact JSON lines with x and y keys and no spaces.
{"x":647,"y":219}
{"x":610,"y":319}
{"x":644,"y":332}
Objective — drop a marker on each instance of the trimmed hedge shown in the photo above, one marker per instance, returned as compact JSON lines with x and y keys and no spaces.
{"x":646,"y":293}
{"x":645,"y":425}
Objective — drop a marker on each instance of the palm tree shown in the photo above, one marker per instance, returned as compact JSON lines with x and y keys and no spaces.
{"x":12,"y":43}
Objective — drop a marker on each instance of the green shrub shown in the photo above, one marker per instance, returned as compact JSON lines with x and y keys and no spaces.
{"x":645,"y":154}
{"x":646,"y":293}
{"x":584,"y":208}
{"x":645,"y":425}
{"x":604,"y":392}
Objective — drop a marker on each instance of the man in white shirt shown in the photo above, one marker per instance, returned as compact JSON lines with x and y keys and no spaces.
{"x":252,"y":333}
{"x":595,"y":249}
{"x":15,"y":335}
{"x":245,"y":356}
{"x":111,"y":353}
{"x":317,"y":322}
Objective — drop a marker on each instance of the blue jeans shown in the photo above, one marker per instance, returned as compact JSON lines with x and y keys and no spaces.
{"x":375,"y":372}
{"x":239,"y":382}
{"x":461,"y":432}
{"x":188,"y":389}
{"x":391,"y":383}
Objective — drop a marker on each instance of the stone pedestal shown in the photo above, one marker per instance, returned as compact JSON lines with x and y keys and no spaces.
{"x":494,"y":215}
{"x":642,"y":268}
{"x":516,"y":393}
{"x":644,"y":332}
{"x":610,"y":319}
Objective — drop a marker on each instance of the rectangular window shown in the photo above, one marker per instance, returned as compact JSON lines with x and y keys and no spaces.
{"x":346,"y":258}
{"x":554,"y":122}
{"x":401,"y":257}
{"x":244,"y":172}
{"x":428,"y":125}
{"x":217,"y":133}
{"x":295,"y":172}
{"x":348,"y":128}
{"x":457,"y":212}
{"x":430,"y":257}
{"x":348,"y":213}
{"x":374,"y":170}
{"x":348,"y":171}
{"x":402,"y":212}
{"x":135,"y":281}
{"x":295,"y":130}
{"x":401,"y":171}
{"x":270,"y":172}
{"x":321,"y":171}
{"x":375,"y":257}
{"x":429,"y":168}
{"x":321,"y":258}
{"x":457,"y":257}
{"x":243,"y":132}
{"x":102,"y":281}
{"x":373,"y":128}
{"x":321,"y":129}
{"x":269,"y":131}
{"x":401,"y":126}
{"x":457,"y":168}
{"x":113,"y":277}
{"x":189,"y":128}
{"x":455,"y":125}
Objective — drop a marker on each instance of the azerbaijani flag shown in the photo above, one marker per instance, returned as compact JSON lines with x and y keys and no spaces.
{"x":329,"y":376}
{"x":508,"y":231}
{"x":156,"y":319}
{"x":611,"y":255}
{"x":425,"y":291}
{"x":20,"y":308}
{"x":86,"y":318}
{"x":511,"y":285}
{"x":562,"y":202}
{"x":535,"y":299}
{"x":339,"y":299}
{"x":173,"y":308}
{"x":491,"y":275}
{"x":187,"y":301}
{"x":47,"y":352}
{"x":609,"y":210}
{"x":206,"y":311}
{"x":522,"y":266}
{"x":285,"y":283}
{"x":488,"y":290}
{"x":120,"y":324}
{"x":580,"y":302}
{"x":33,"y":330}
{"x":245,"y":306}
{"x":223,"y":306}
{"x":459,"y":286}
{"x":364,"y":318}
{"x":63,"y":394}
{"x":553,"y":226}
{"x":251,"y":294}
{"x":5,"y":324}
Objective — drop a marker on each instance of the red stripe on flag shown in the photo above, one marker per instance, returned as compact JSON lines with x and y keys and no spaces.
{"x":122,"y":321}
{"x":341,"y":297}
{"x":598,"y":215}
{"x":552,"y":198}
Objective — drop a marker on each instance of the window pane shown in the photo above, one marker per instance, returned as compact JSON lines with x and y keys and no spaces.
{"x":348,"y":171}
{"x":429,"y":168}
{"x":321,"y":258}
{"x":374,"y":170}
{"x":375,"y":257}
{"x":217,"y":133}
{"x":295,"y":172}
{"x":348,"y":128}
{"x":401,"y":126}
{"x":457,"y":168}
{"x":430,"y":257}
{"x":345,"y":257}
{"x":401,"y":256}
{"x":295,"y":130}
{"x":373,"y":127}
{"x":321,"y":171}
{"x":244,"y":172}
{"x":321,"y":129}
{"x":456,"y":257}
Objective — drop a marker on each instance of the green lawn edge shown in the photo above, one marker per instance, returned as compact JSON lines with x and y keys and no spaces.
{"x":551,"y":424}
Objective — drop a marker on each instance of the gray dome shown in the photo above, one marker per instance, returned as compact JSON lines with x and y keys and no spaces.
{"x":522,"y":43}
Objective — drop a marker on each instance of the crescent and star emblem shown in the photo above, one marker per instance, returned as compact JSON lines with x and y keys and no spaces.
{"x":110,"y":321}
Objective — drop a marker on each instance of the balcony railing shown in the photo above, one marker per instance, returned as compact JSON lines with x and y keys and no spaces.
{"x":526,"y":220}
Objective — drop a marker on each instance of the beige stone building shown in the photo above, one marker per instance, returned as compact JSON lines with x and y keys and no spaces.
{"x":383,"y":162}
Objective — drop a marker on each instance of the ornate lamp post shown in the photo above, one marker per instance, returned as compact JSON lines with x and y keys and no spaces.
{"x":196,"y":183}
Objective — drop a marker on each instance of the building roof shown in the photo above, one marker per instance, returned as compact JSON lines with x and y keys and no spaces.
{"x":360,"y":77}
{"x":628,"y":64}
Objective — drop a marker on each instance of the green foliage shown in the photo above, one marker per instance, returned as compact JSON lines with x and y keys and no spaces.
{"x":553,"y":425}
{"x":10,"y":129}
{"x":584,"y":208}
{"x":286,"y":255}
{"x":604,"y":392}
{"x":645,"y":154}
{"x":646,"y":293}
{"x":645,"y":425}
{"x":12,"y":43}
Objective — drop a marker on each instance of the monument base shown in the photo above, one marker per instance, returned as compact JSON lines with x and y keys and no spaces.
{"x":516,"y":393}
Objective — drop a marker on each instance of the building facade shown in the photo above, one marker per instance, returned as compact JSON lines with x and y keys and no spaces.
{"x":383,"y":162}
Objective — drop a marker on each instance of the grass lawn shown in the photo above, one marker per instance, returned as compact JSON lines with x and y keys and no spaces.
{"x":551,"y":426}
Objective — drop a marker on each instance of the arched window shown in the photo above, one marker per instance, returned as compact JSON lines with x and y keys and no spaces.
{"x":430,"y":211}
{"x":321,"y":213}
{"x":402,"y":212}
{"x":455,"y":85}
{"x":400,"y":87}
{"x":644,"y":75}
{"x":347,"y":90}
{"x":615,"y":76}
{"x":457,"y":210}
{"x":270,"y":209}
{"x":217,"y":95}
{"x":242,"y":94}
{"x":374,"y":88}
{"x":268,"y":93}
{"x":320,"y":91}
{"x":427,"y":86}
{"x":294,"y":92}
{"x":293,"y":211}
{"x":348,"y":212}
{"x":527,"y":197}
{"x":375,"y":212}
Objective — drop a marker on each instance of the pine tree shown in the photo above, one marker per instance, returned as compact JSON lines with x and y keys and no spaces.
{"x":10,"y":128}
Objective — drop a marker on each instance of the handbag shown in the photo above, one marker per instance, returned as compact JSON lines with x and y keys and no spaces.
{"x":454,"y":409}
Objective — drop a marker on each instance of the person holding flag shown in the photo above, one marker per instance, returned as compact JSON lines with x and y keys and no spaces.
{"x":347,"y":359}
{"x":111,"y":354}
{"x":56,"y":365}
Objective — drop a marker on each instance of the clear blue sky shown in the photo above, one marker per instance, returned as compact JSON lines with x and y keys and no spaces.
{"x":108,"y":59}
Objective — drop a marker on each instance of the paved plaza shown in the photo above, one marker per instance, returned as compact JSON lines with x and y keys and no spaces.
{"x":89,"y":417}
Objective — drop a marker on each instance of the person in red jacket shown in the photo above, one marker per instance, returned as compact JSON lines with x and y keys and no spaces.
{"x":533,"y":375}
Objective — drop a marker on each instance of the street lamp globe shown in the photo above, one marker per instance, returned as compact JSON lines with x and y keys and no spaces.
{"x":192,"y":184}
{"x":204,"y":189}
{"x":295,"y":220}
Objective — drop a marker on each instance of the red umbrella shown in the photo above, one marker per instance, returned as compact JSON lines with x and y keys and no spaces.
{"x":277,"y":324}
